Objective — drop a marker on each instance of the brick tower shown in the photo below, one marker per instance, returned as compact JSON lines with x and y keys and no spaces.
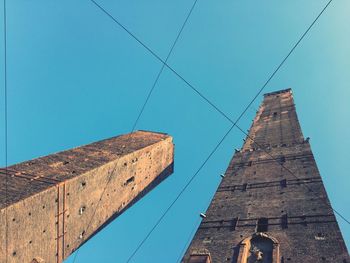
{"x":271,"y":205}
{"x":51,"y":205}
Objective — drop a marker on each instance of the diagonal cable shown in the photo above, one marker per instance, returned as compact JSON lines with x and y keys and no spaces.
{"x":141,"y":111}
{"x":163,"y":66}
{"x":153,"y":53}
{"x":234,"y":123}
{"x":289,"y":171}
{"x":189,"y":239}
{"x":5,"y":127}
{"x":179,"y":195}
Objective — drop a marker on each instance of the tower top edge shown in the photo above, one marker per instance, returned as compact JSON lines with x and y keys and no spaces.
{"x":278,"y":92}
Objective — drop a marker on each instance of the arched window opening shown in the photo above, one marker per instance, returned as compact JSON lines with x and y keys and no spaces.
{"x":259,"y":248}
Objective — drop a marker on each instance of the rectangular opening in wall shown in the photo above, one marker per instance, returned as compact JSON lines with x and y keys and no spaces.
{"x":262,"y":224}
{"x":282,"y":160}
{"x":275,"y":116}
{"x":130,"y":180}
{"x":234,"y":224}
{"x":284,"y":221}
{"x":283,"y":183}
{"x":303,"y":220}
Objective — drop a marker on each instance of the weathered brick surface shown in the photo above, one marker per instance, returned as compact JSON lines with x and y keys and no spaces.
{"x":51,"y":200}
{"x":255,"y":186}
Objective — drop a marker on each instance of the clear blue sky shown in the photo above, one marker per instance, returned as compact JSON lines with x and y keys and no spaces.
{"x":74,"y":77}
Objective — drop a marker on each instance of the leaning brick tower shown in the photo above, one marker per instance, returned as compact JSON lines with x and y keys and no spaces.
{"x":50,"y":206}
{"x":271,"y":205}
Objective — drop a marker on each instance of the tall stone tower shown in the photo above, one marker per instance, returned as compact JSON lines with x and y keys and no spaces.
{"x":271,"y":205}
{"x":51,"y":205}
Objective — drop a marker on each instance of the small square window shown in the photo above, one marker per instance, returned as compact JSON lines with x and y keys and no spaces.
{"x":262,"y":224}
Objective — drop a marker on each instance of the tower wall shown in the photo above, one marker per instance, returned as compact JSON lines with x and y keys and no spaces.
{"x":53,"y":202}
{"x":261,"y":206}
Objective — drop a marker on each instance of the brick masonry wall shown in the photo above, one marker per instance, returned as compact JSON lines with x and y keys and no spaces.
{"x":256,"y":186}
{"x":52,"y":199}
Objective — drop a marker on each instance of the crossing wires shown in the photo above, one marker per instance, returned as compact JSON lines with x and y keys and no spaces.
{"x":143,"y":105}
{"x":196,"y":90}
{"x":234,"y":123}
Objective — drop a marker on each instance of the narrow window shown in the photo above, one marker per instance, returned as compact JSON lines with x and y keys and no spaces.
{"x":250,"y":163}
{"x":82,"y":210}
{"x":274,"y":116}
{"x":282,"y":160}
{"x":234,"y":224}
{"x":130,"y":180}
{"x":244,"y":187}
{"x":284,"y":221}
{"x":283,"y":183}
{"x":304,"y":222}
{"x":262,"y":224}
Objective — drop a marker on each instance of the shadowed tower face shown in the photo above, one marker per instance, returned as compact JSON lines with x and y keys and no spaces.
{"x":271,"y":206}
